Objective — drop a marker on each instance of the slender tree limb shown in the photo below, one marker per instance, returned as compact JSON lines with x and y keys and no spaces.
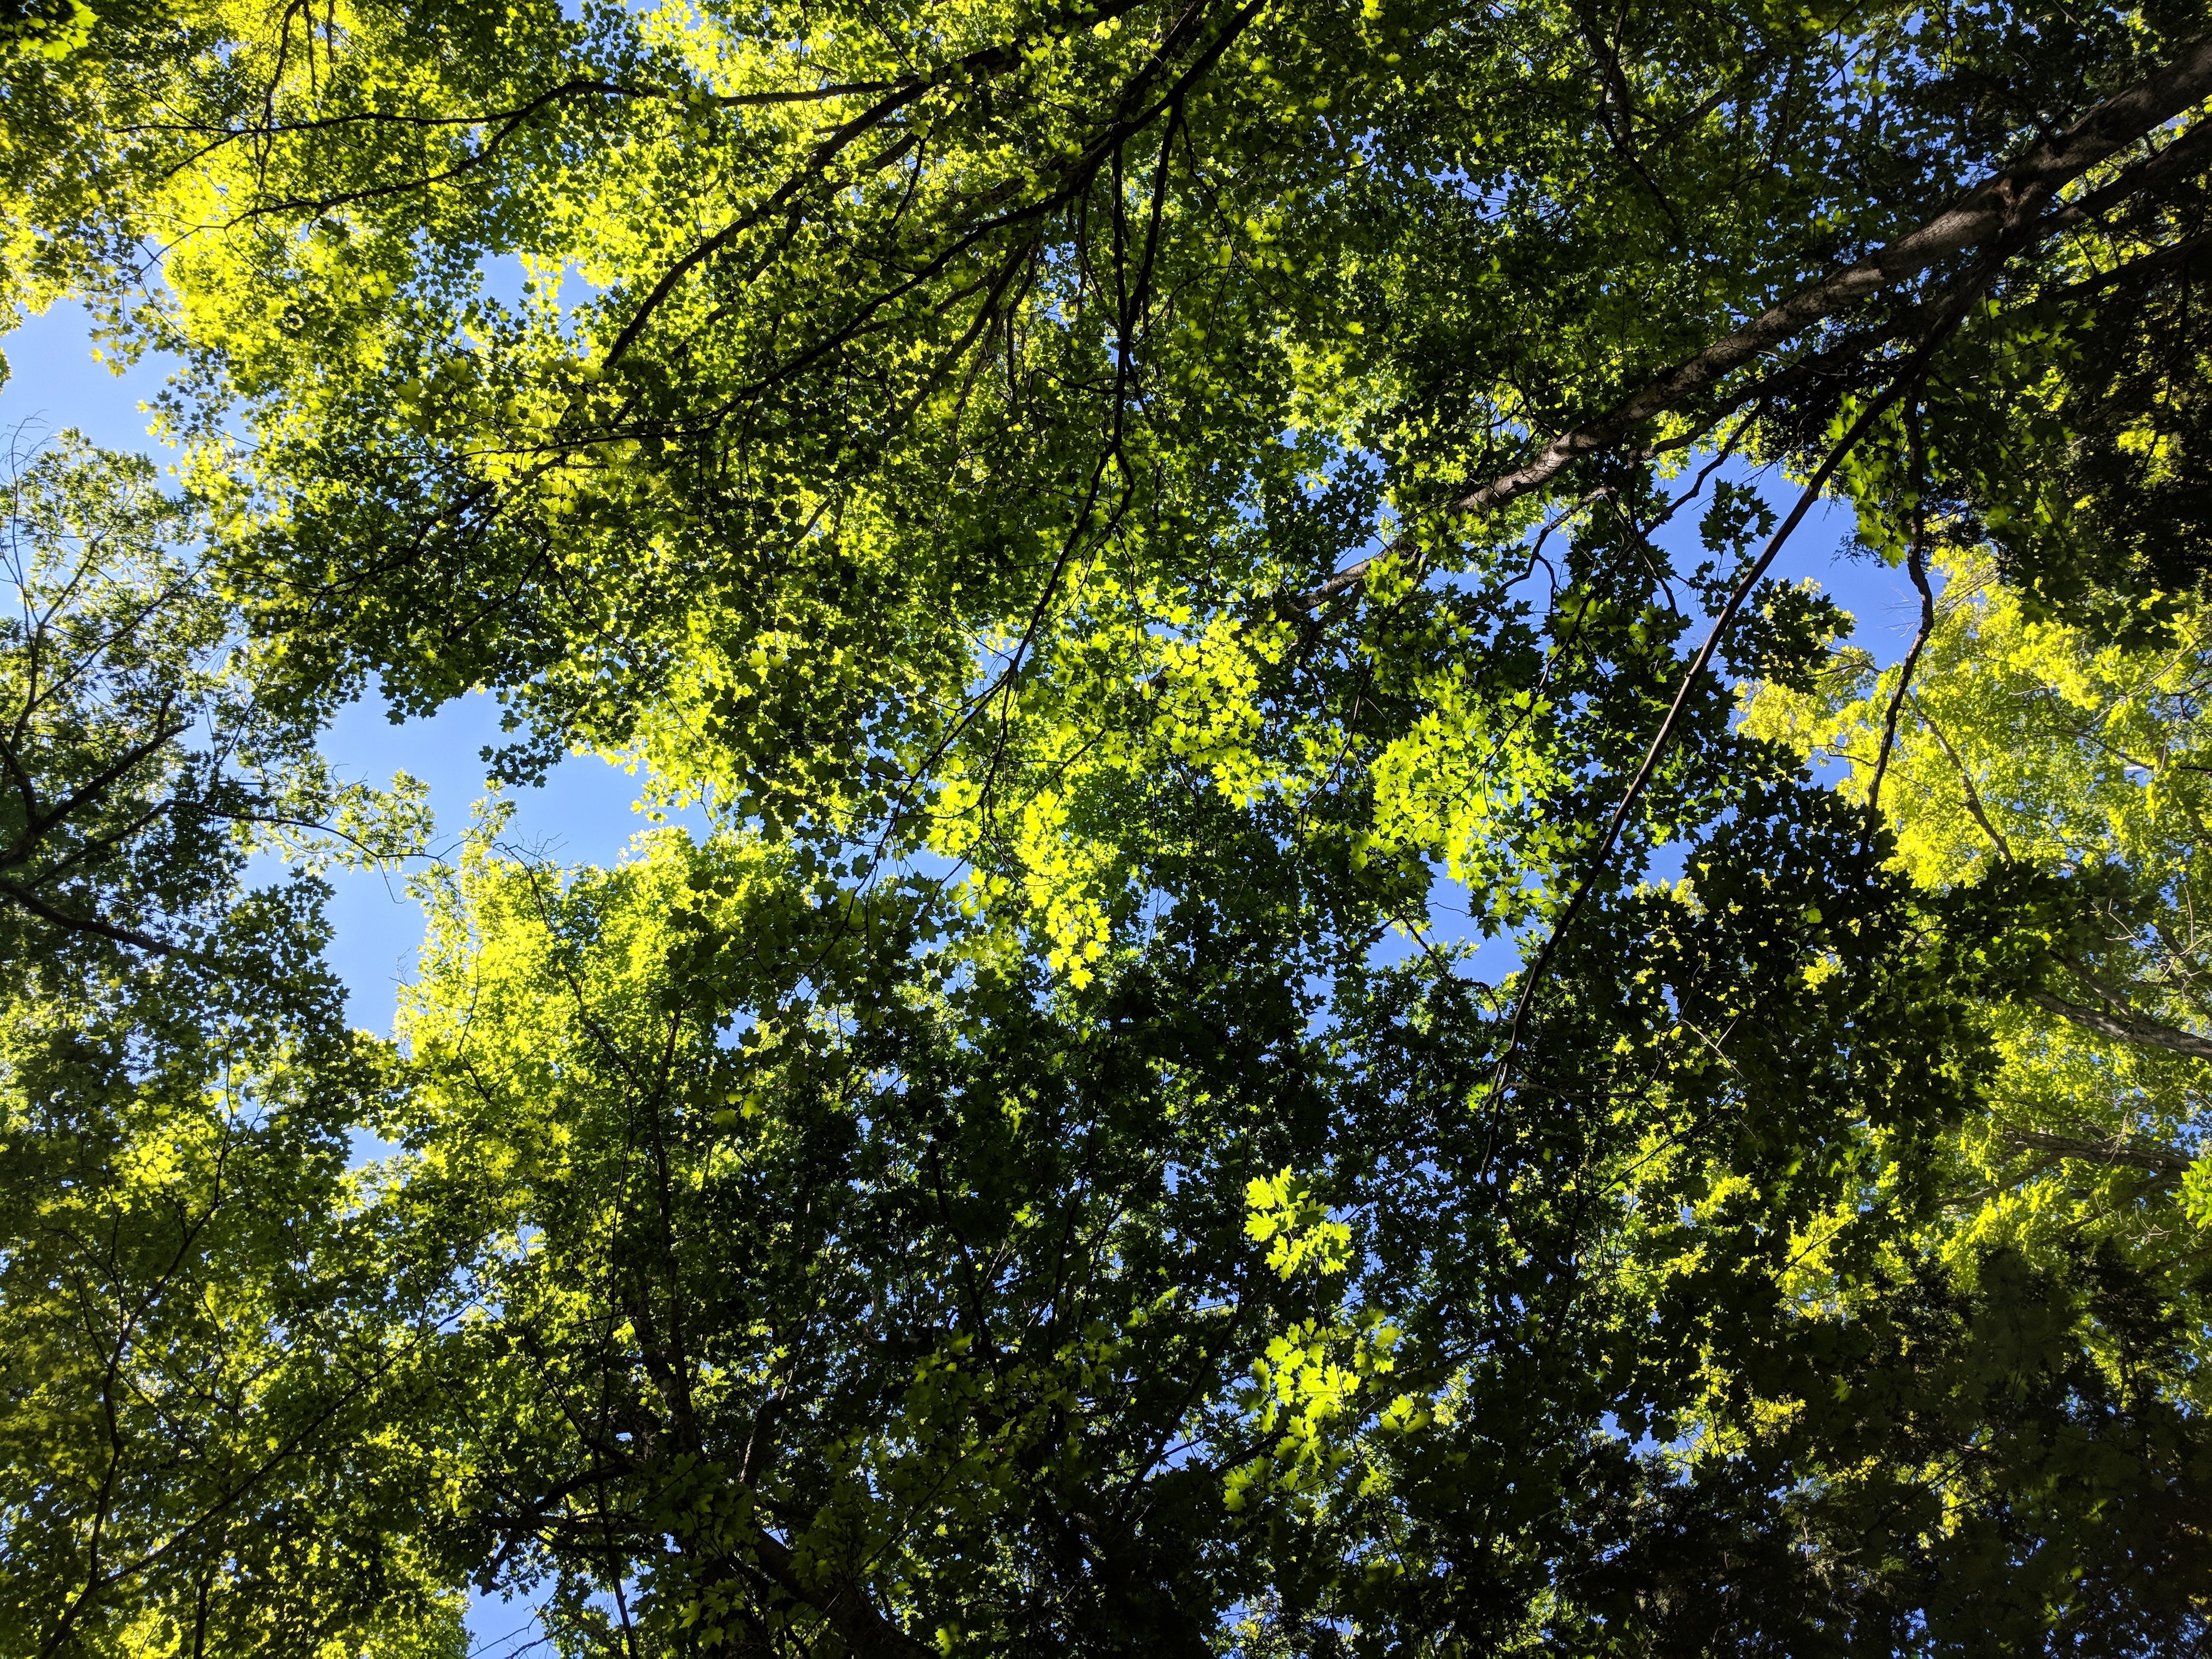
{"x":508,"y":126}
{"x":37,"y":907}
{"x":2135,"y":270}
{"x":90,"y":792}
{"x":822,"y":154}
{"x":1917,"y":564}
{"x":2188,"y":153}
{"x":2125,"y":1027}
{"x":1974,"y":807}
{"x":1661,"y":739}
{"x":1076,"y":184}
{"x":2161,"y":1160}
{"x":1076,"y":177}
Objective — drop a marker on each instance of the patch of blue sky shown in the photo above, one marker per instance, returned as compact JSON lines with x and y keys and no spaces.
{"x":502,"y":1627}
{"x":586,"y":811}
{"x":55,"y":383}
{"x":1884,"y":609}
{"x":557,"y":293}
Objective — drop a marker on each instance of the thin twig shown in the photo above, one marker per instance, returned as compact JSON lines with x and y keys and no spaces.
{"x":1915,"y":562}
{"x":1690,"y":679}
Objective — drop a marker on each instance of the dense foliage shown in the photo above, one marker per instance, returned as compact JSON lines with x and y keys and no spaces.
{"x":1315,"y":1018}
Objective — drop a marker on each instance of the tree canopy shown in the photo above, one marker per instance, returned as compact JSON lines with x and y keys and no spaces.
{"x":1315,"y":1015}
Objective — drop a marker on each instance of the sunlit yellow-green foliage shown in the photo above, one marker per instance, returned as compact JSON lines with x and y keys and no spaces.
{"x":1320,"y":1382}
{"x":195,"y":1312}
{"x":2022,"y":740}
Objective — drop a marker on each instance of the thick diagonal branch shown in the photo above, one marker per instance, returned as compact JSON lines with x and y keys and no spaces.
{"x":2008,"y":202}
{"x":2160,"y":1160}
{"x":2124,"y":1027}
{"x":2007,"y":208}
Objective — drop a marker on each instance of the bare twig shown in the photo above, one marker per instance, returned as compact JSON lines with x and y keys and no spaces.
{"x":1692,"y":678}
{"x":1915,"y":562}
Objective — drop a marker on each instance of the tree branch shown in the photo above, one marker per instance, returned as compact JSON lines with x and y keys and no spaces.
{"x":2125,"y":1027}
{"x":2007,"y":204}
{"x":1917,"y":564}
{"x":1966,"y":778}
{"x":2002,"y":207}
{"x":106,"y":930}
{"x":2136,"y":270}
{"x":2160,"y":1160}
{"x":91,"y":789}
{"x":1692,"y":678}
